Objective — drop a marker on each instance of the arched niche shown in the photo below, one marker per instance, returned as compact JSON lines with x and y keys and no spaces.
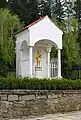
{"x":24,"y":58}
{"x":24,"y":48}
{"x":44,"y":47}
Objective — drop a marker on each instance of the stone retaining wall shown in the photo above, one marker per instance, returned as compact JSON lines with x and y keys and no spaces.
{"x":24,"y":103}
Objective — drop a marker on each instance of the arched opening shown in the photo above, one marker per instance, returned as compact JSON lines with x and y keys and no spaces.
{"x":54,"y":61}
{"x":45,"y":47}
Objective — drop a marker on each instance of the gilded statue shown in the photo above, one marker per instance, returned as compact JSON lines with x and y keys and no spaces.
{"x":38,"y":58}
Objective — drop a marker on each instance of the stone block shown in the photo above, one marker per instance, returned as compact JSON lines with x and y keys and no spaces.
{"x":41,"y":96}
{"x":4,"y":97}
{"x":12,"y":97}
{"x":52,"y":96}
{"x":55,"y":101}
{"x":28,"y":97}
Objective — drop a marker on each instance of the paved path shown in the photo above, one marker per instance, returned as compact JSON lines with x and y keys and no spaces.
{"x":58,"y":116}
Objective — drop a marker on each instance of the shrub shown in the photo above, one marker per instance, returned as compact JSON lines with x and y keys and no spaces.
{"x":39,"y":84}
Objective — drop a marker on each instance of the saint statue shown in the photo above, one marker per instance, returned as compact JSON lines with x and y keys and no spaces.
{"x":38,"y":58}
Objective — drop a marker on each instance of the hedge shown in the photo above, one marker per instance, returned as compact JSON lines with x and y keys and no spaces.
{"x":39,"y":84}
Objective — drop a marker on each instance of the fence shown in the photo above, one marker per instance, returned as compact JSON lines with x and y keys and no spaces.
{"x":54,"y":69}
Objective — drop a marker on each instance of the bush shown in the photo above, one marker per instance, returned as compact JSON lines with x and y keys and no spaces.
{"x":3,"y":68}
{"x":39,"y":84}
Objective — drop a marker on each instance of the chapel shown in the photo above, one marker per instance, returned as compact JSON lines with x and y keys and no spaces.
{"x":33,"y":47}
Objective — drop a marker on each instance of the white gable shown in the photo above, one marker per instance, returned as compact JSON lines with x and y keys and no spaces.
{"x":45,"y":29}
{"x":49,"y":21}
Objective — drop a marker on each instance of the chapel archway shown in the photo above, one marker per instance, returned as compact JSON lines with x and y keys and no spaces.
{"x":44,"y":48}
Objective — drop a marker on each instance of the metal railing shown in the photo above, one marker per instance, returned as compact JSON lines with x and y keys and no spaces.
{"x":54,"y":69}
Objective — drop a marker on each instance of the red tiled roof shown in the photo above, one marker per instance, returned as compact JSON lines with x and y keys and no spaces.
{"x":33,"y":23}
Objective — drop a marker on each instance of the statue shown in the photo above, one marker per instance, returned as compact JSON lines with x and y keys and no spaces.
{"x":38,"y":58}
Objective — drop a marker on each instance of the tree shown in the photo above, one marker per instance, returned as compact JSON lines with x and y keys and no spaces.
{"x":44,"y":7}
{"x":57,"y":9}
{"x":9,"y":23}
{"x":30,"y":10}
{"x":77,"y":8}
{"x":27,"y":10}
{"x":70,"y":52}
{"x":3,"y":3}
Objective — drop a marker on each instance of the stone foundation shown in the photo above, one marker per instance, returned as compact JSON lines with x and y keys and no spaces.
{"x":24,"y":103}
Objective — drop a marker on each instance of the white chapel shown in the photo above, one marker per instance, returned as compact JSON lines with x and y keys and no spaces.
{"x":33,"y":47}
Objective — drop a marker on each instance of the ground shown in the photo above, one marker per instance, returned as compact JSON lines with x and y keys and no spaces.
{"x":58,"y":116}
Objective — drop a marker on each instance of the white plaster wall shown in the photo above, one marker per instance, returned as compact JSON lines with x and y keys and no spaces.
{"x":24,"y":35}
{"x":22,"y":61}
{"x":18,"y":59}
{"x":45,"y":29}
{"x":25,"y":59}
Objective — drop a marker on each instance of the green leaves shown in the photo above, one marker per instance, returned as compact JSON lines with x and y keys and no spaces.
{"x":70,"y":44}
{"x":39,"y":84}
{"x":3,"y":3}
{"x":8,"y":24}
{"x":27,"y":10}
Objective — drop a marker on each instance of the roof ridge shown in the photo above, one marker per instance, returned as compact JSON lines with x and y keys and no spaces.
{"x":36,"y":21}
{"x":31,"y":24}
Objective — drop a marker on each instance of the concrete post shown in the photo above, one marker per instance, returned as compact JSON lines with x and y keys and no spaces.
{"x":48,"y":64}
{"x":59,"y":63}
{"x":30,"y":61}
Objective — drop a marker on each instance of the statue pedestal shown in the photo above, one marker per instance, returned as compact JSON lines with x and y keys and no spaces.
{"x":38,"y":71}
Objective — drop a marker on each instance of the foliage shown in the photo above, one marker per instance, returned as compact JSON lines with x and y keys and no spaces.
{"x":77,"y":8}
{"x":3,"y":68}
{"x":61,"y":12}
{"x":30,"y":10}
{"x":44,"y":7}
{"x":53,"y":53}
{"x":39,"y":84}
{"x":27,"y":10}
{"x":57,"y":9}
{"x":8,"y":24}
{"x":70,"y":52}
{"x":3,"y":3}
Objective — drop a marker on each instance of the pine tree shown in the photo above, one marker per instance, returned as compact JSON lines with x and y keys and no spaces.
{"x":77,"y":8}
{"x":57,"y":9}
{"x":3,"y":3}
{"x":27,"y":10}
{"x":44,"y":7}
